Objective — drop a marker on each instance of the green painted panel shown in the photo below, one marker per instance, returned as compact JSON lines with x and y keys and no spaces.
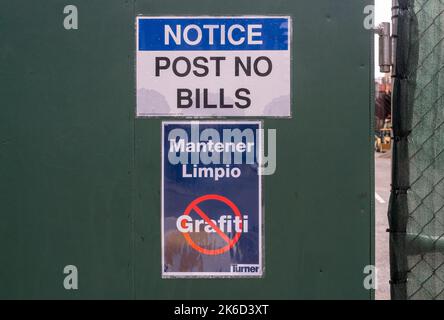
{"x":318,"y":212}
{"x":80,"y":177}
{"x":66,"y":149}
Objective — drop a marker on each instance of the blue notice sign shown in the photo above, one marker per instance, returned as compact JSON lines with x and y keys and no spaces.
{"x":211,"y":199}
{"x":200,"y":33}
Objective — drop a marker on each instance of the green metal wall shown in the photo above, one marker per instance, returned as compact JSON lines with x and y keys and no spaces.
{"x":80,"y":177}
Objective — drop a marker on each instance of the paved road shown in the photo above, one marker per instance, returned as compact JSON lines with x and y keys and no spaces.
{"x":382,"y":194}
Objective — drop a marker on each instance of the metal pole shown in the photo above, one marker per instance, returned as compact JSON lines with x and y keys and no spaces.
{"x":395,"y":14}
{"x":385,"y":56}
{"x":398,"y":209}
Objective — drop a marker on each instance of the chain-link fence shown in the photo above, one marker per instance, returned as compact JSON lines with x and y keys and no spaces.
{"x":417,"y":203}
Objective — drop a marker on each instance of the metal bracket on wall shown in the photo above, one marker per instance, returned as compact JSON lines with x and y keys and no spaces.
{"x":387,"y":41}
{"x":385,"y":47}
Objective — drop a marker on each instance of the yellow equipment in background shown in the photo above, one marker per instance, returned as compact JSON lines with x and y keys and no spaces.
{"x":383,"y":140}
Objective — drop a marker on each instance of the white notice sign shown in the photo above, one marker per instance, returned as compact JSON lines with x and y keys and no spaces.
{"x":213,"y":66}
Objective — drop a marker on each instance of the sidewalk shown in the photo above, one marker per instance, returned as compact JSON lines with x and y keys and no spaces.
{"x":382,"y":194}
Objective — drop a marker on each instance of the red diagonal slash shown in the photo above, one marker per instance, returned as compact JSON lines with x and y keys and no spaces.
{"x":212,"y":224}
{"x":230,"y":242}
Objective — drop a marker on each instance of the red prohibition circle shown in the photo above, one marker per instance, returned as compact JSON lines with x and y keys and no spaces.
{"x":230,"y":241}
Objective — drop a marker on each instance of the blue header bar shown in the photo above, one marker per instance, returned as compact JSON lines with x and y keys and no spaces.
{"x":197,"y":34}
